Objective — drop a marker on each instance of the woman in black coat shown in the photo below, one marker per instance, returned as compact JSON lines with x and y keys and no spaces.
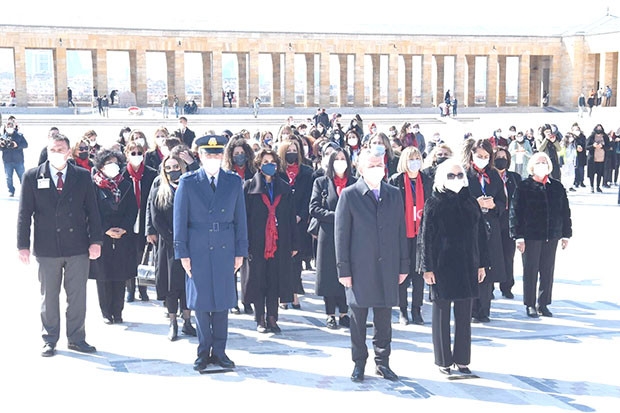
{"x":539,"y":219}
{"x":118,"y":210}
{"x":299,"y":178}
{"x":160,"y":230}
{"x":597,"y":146}
{"x":511,"y":180}
{"x":580,"y":164}
{"x":154,"y":157}
{"x":454,"y":257}
{"x":486,"y":186}
{"x":325,"y":194}
{"x":141,"y":178}
{"x":415,"y":187}
{"x":270,"y":208}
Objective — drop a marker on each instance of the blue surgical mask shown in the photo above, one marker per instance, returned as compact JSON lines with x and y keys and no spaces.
{"x":268,"y":169}
{"x":414,"y":165}
{"x":377,"y":149}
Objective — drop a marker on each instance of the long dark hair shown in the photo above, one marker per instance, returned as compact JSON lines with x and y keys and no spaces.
{"x":235,"y":142}
{"x":330,"y":173}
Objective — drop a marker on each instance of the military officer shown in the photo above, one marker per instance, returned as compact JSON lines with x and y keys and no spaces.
{"x":210,"y":239}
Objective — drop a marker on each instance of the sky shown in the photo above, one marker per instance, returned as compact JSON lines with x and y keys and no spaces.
{"x":343,"y":16}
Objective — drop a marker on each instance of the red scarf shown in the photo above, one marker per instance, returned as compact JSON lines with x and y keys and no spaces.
{"x":136,"y":177}
{"x":541,"y":180}
{"x":482,"y":174}
{"x":160,"y":154}
{"x":240,"y":171}
{"x":271,"y":227}
{"x":292,"y":171}
{"x":413,"y":212}
{"x":104,"y":182}
{"x":84,"y":163}
{"x":340,"y":183}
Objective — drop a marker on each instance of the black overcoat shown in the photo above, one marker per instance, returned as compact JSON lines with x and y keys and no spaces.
{"x":253,"y":276}
{"x":302,"y":190}
{"x":371,"y":246}
{"x":118,"y":256}
{"x":495,"y":188}
{"x":322,"y":207}
{"x":454,"y":244}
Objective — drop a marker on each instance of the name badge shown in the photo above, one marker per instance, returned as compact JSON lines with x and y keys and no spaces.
{"x":43,"y":183}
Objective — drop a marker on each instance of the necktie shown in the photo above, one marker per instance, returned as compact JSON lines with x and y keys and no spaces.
{"x":213,"y":183}
{"x":376,"y":192}
{"x":60,"y":183}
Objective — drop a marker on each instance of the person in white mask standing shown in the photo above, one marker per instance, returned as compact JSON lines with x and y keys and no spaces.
{"x":118,"y":210}
{"x":141,"y":178}
{"x":453,"y":260}
{"x":372,"y":259}
{"x":539,"y":218}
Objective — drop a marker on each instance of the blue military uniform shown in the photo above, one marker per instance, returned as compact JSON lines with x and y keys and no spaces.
{"x":210,"y":228}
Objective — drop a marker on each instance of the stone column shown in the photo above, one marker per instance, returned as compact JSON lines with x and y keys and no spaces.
{"x":393,"y":80}
{"x":289,"y":79}
{"x":324,"y":80}
{"x":207,"y":82}
{"x":137,"y":69}
{"x":524,"y":80}
{"x":60,"y":76}
{"x":408,"y":98}
{"x":460,"y":64}
{"x":555,"y":80}
{"x":376,"y":80}
{"x":175,"y":63}
{"x":343,"y":86}
{"x":440,"y":92}
{"x":358,"y":81}
{"x":21,"y":86}
{"x":534,"y":91}
{"x":99,"y":59}
{"x":242,"y":93}
{"x":216,"y":78}
{"x":470,"y":95}
{"x":501,"y":93}
{"x":492,"y":80}
{"x":309,"y":79}
{"x":277,"y":83}
{"x":611,"y":73}
{"x":254,"y":74}
{"x":427,"y":87}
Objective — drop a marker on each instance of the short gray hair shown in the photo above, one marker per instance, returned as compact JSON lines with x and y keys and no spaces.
{"x":441,"y":174}
{"x":534,"y":160}
{"x":364,"y":157}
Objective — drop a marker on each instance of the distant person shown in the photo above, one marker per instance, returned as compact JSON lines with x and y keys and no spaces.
{"x":581,"y":103}
{"x":164,"y":106}
{"x":12,"y":145}
{"x":187,"y":135}
{"x":70,"y":97}
{"x":113,"y":95}
{"x":256,"y":105}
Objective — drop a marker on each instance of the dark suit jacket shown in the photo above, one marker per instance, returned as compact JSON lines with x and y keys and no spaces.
{"x":64,"y":224}
{"x":188,"y":137}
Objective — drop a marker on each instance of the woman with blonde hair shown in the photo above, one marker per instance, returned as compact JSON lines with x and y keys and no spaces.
{"x":154,"y":157}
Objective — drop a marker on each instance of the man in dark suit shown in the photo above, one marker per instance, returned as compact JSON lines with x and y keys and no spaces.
{"x":211,"y":240}
{"x":67,"y":233}
{"x":372,"y":259}
{"x":187,"y":135}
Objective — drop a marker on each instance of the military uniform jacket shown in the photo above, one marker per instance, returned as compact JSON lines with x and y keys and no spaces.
{"x":210,"y":228}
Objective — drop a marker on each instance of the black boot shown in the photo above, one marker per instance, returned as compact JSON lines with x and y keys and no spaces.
{"x":416,"y":314}
{"x":173,"y":332}
{"x":143,"y":294}
{"x":188,"y":329}
{"x":131,"y":290}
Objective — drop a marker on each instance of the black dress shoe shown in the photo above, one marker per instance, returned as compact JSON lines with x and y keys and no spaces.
{"x":463,"y":369}
{"x":531,"y":312}
{"x":386,"y":373}
{"x":49,"y":350}
{"x":272,"y":325}
{"x":296,"y":306}
{"x":508,"y":294}
{"x":416,"y":315}
{"x":82,"y":347}
{"x":108,"y":320}
{"x":247,"y":308}
{"x":235,"y":310}
{"x":201,"y":363}
{"x":484,"y":319}
{"x":544,"y":311}
{"x":188,"y":329}
{"x":224,"y":362}
{"x":331,"y":323}
{"x":403,"y":318}
{"x":475,"y":320}
{"x":117,"y":319}
{"x":445,"y":370}
{"x":358,"y":373}
{"x":143,"y":294}
{"x":345,"y":321}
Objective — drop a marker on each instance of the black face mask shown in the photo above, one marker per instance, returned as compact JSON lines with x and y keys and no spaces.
{"x":240,"y":159}
{"x":173,"y":176}
{"x":291,"y":158}
{"x":83,"y":155}
{"x":440,"y":160}
{"x":501,"y":163}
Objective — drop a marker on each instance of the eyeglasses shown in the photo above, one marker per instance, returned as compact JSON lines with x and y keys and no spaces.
{"x":135,"y":153}
{"x":451,"y":176}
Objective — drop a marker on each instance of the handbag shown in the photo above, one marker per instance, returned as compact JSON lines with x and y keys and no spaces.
{"x":146,"y":268}
{"x":313,"y":226}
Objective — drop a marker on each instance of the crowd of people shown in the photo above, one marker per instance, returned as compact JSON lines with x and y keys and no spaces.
{"x":376,"y":212}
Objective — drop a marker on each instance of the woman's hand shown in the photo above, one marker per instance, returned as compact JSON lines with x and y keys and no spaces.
{"x":481,"y":275}
{"x":151,"y":239}
{"x":115,"y":233}
{"x":429,"y":277}
{"x":521,"y":246}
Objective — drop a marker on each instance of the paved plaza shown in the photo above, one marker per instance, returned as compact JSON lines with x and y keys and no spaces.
{"x":560,"y":364}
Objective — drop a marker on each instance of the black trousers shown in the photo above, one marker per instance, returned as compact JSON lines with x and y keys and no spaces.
{"x":538,"y":258}
{"x":482,"y":304}
{"x":598,"y":169}
{"x":269,"y":296}
{"x":509,"y":247}
{"x":381,"y":339}
{"x":579,"y":175}
{"x":111,"y":300}
{"x":413,"y":278}
{"x":445,"y":355}
{"x":339,"y":301}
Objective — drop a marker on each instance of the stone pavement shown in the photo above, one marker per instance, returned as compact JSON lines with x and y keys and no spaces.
{"x":564,"y":363}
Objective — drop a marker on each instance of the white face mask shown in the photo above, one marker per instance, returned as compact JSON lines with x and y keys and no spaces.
{"x":455,"y":185}
{"x":9,"y":131}
{"x":352,"y":141}
{"x":57,"y":160}
{"x":126,"y":135}
{"x":480,"y":163}
{"x":211,"y":165}
{"x":340,"y":165}
{"x":111,"y":170}
{"x":139,"y":141}
{"x":136,"y":160}
{"x":541,"y":170}
{"x":374,"y":175}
